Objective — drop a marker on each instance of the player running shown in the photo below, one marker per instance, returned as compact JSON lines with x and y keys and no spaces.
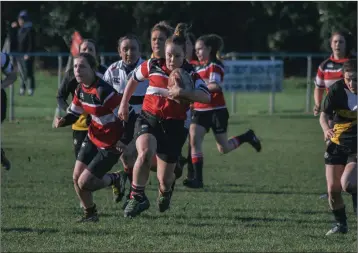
{"x":160,"y":127}
{"x":68,"y":86}
{"x":118,"y":75}
{"x":214,"y":115}
{"x":99,"y":152}
{"x":341,"y":153}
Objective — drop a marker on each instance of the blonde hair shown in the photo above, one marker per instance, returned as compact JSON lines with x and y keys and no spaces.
{"x":180,"y":36}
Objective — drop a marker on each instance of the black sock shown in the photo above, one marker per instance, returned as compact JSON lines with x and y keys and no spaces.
{"x":91,"y":210}
{"x":340,"y":215}
{"x":198,"y":162}
{"x":137,"y":191}
{"x":190,"y":174}
{"x":243,"y":138}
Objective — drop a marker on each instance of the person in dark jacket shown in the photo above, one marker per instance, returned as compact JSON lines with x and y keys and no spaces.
{"x":26,"y":45}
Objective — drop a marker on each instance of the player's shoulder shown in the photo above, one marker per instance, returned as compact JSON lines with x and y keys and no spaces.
{"x":217,"y":62}
{"x":326,"y":63}
{"x":156,"y":62}
{"x":337,"y":86}
{"x":114,"y":66}
{"x":103,"y":89}
{"x":216,"y":65}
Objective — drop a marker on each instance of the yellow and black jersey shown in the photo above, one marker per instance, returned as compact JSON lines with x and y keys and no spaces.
{"x":341,"y":104}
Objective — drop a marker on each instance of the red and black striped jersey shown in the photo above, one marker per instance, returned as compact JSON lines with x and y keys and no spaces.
{"x":102,"y":102}
{"x":156,"y":100}
{"x":329,"y":72}
{"x":211,"y":72}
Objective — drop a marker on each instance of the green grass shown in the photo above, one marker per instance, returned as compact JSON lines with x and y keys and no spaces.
{"x":267,"y":202}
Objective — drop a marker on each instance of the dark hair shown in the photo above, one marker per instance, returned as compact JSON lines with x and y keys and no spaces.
{"x":192,"y":38}
{"x":348,"y":37}
{"x":350,"y":66}
{"x":164,"y":27}
{"x":179,"y":37}
{"x":90,"y":59}
{"x":215,"y":42}
{"x":129,"y":37}
{"x":90,"y":41}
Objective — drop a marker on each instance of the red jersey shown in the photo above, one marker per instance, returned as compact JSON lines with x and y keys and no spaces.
{"x":156,"y":100}
{"x":329,"y":72}
{"x":101,"y":101}
{"x":212,"y":72}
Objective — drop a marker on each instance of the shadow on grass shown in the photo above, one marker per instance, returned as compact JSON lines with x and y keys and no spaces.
{"x":308,"y":212}
{"x":221,"y":190}
{"x":203,"y":220}
{"x":32,"y":230}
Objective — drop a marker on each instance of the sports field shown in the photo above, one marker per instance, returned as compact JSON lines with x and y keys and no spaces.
{"x":266,"y":202}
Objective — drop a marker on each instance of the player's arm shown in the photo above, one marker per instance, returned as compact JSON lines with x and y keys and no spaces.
{"x":215,"y":79}
{"x":327,"y":112}
{"x":140,"y":74}
{"x":214,"y":87}
{"x":9,"y":72}
{"x":74,"y":111}
{"x":199,"y":94}
{"x":64,"y":91}
{"x":318,"y":91}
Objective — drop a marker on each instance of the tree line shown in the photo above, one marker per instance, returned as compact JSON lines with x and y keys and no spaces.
{"x":245,"y":26}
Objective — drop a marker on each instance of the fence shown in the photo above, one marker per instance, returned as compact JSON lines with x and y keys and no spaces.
{"x":306,"y":58}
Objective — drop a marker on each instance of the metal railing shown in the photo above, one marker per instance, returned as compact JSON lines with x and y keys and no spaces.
{"x":227,"y":56}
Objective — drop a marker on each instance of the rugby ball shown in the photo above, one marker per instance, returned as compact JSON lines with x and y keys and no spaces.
{"x":184,"y":81}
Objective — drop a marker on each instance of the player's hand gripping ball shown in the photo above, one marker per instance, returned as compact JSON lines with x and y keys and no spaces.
{"x":178,"y":81}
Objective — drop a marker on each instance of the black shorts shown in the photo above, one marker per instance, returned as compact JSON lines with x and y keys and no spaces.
{"x":170,"y":135}
{"x":78,"y":138}
{"x":217,"y":120}
{"x":339,"y":155}
{"x":3,"y":105}
{"x":99,"y":161}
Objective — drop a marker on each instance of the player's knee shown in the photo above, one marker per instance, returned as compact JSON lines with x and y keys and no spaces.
{"x":145,"y":157}
{"x":85,"y":184}
{"x":75,"y":180}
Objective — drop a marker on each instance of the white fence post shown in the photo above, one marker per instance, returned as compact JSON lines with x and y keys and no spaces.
{"x":309,"y":88}
{"x":273,"y":91}
{"x":103,"y":61}
{"x":59,"y":79}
